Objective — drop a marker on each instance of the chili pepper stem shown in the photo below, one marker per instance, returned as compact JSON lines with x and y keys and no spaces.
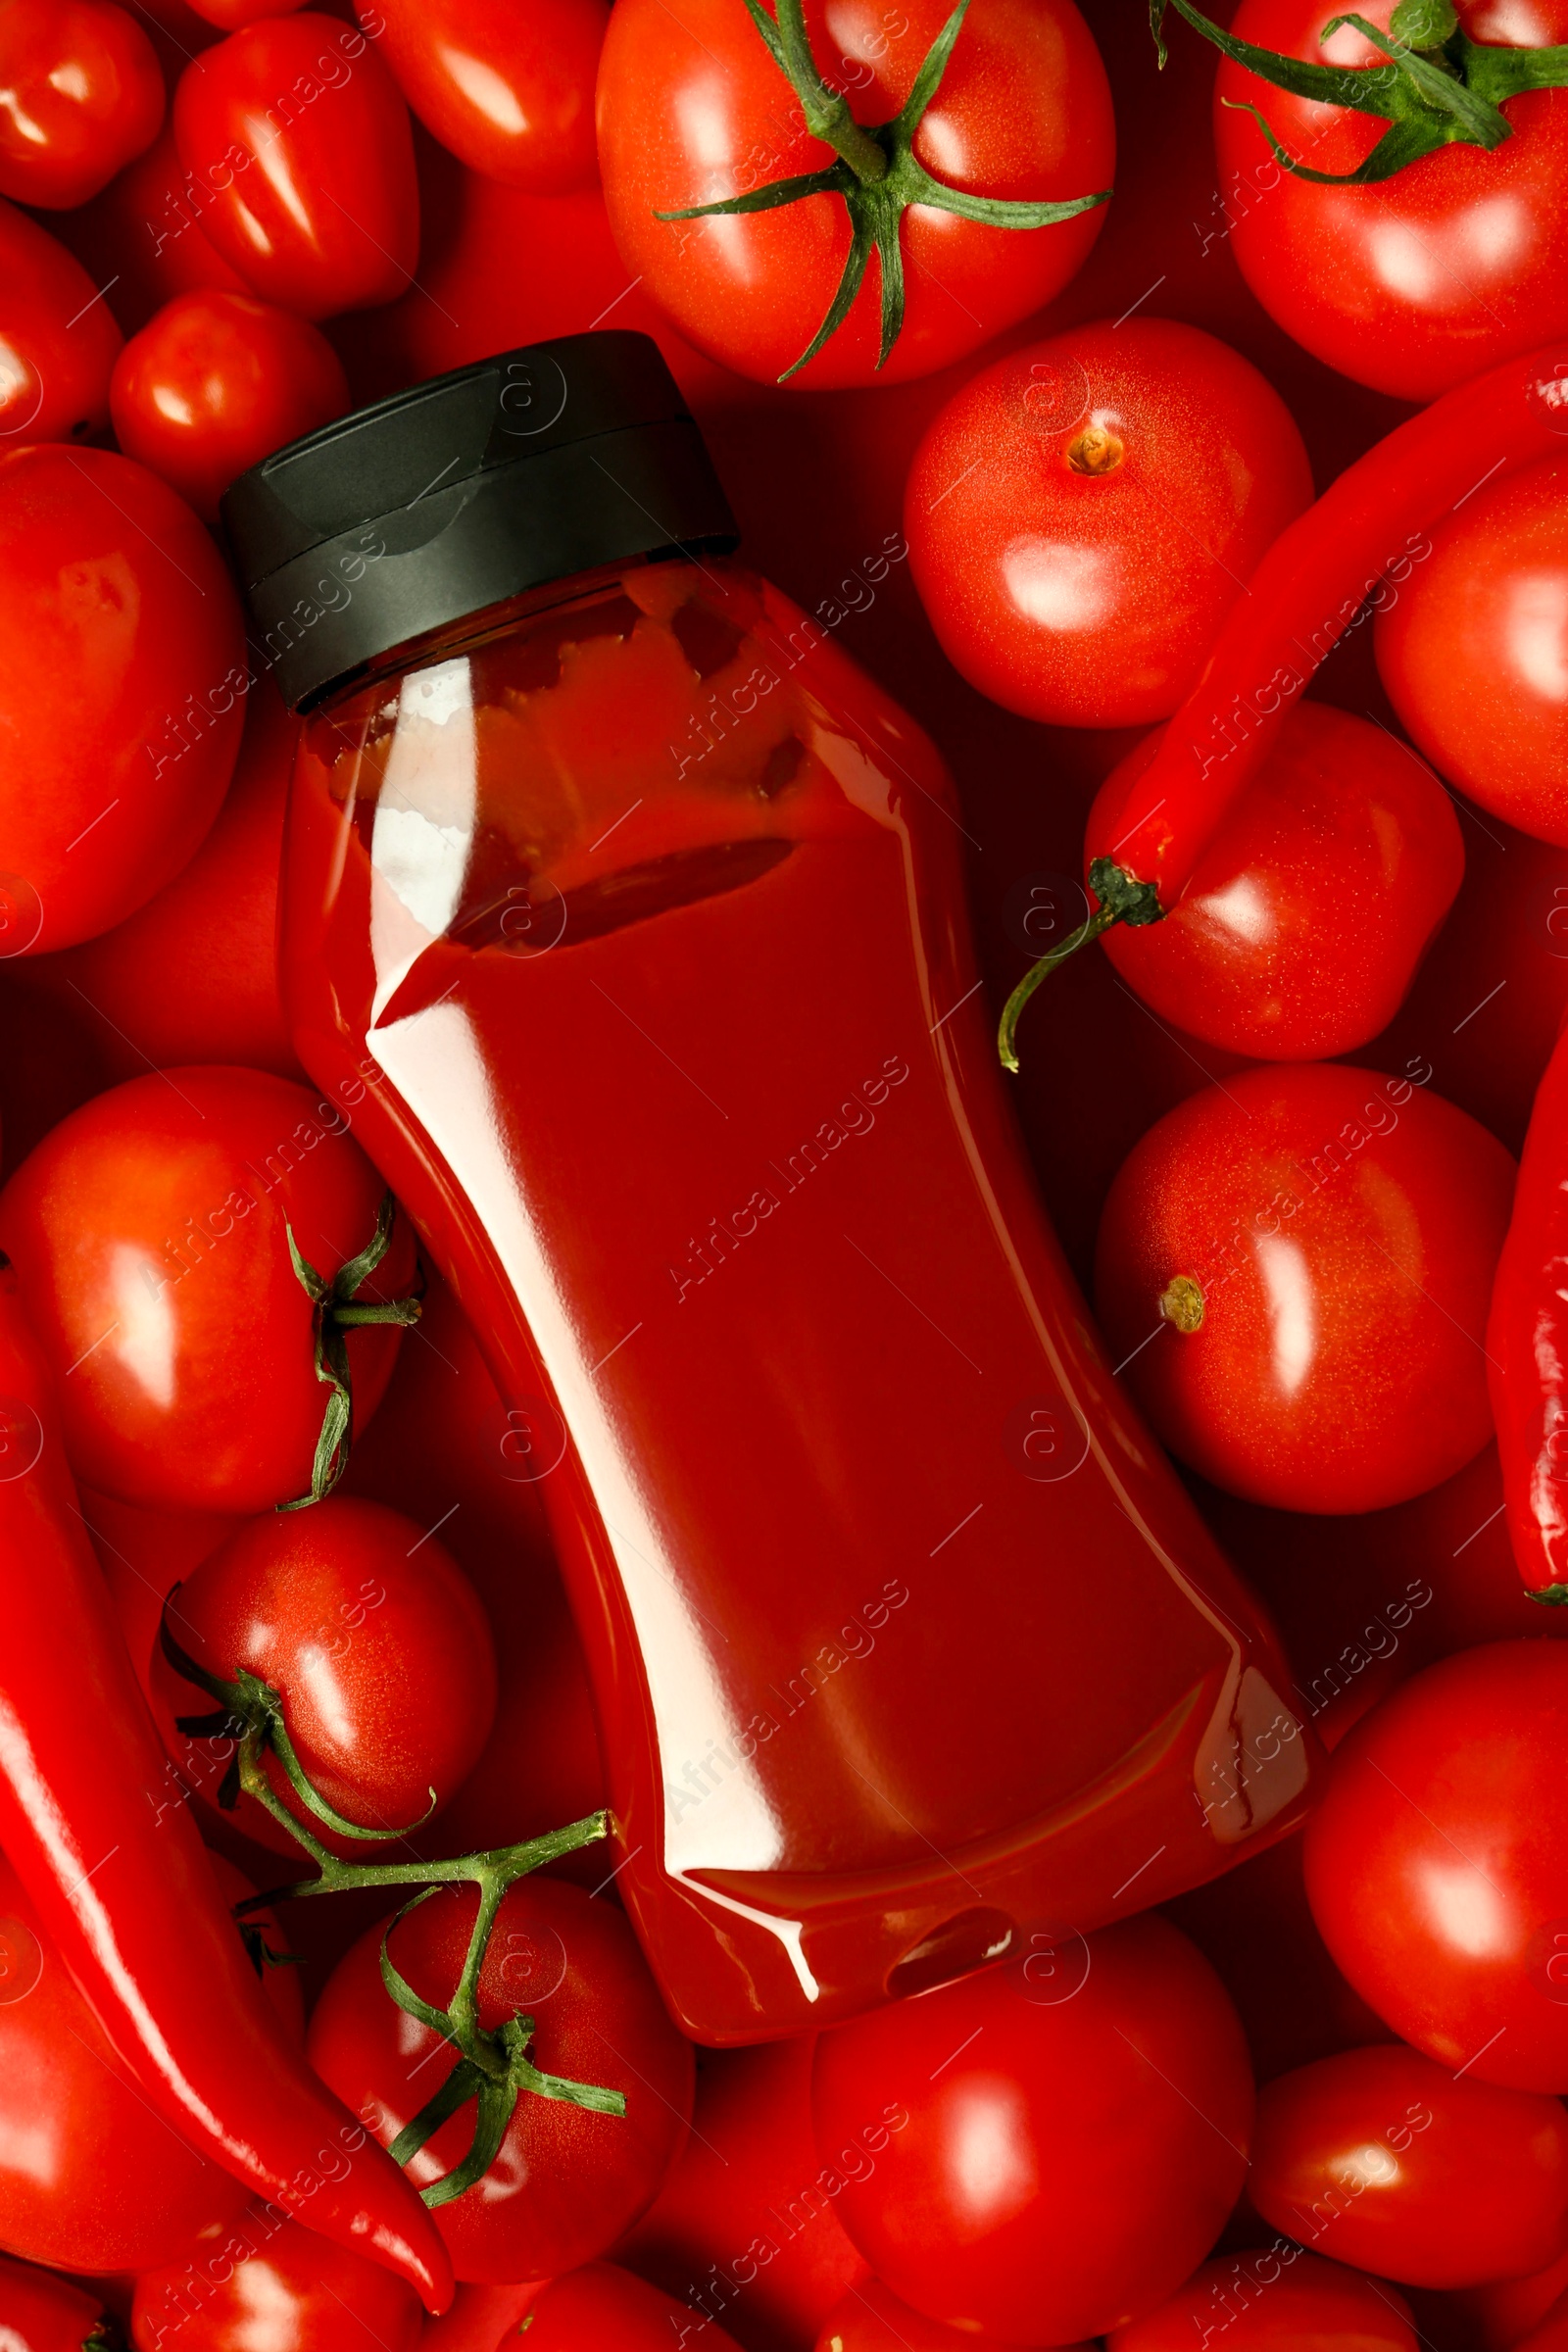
{"x":1123,"y":899}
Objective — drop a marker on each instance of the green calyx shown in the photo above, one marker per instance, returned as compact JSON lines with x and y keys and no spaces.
{"x":250,"y":1712}
{"x":1438,"y":89}
{"x":876,"y":174}
{"x":1551,"y":1597}
{"x":491,"y":2066}
{"x":336,"y":1314}
{"x":1123,"y":899}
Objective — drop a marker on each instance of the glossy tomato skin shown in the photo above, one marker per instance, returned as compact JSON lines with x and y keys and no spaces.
{"x":1340,"y":1230}
{"x":299,"y":134}
{"x":749,"y":2203}
{"x":80,"y":93}
{"x":1475,"y":652}
{"x":1275,"y":2299}
{"x":1438,"y":1862}
{"x":871,"y":2319}
{"x":604,"y":2307}
{"x":376,"y":1644}
{"x":566,"y":2183}
{"x":269,"y":2284}
{"x":144,"y":232}
{"x":508,"y":90}
{"x":156,"y":1214}
{"x":46,"y":2314}
{"x":1302,"y":926}
{"x":1422,"y":280}
{"x":90,"y":2179}
{"x":692,"y":108}
{"x":1083,"y":512}
{"x":1410,"y":2172}
{"x":58,"y":342}
{"x":121,"y":677}
{"x":214,"y":384}
{"x":1053,"y":2151}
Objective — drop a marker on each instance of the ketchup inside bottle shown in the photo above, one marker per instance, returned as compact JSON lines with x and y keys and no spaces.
{"x":636,"y":910}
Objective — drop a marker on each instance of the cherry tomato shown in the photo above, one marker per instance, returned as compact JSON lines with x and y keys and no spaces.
{"x":1419,"y":282}
{"x":1294,"y":1272}
{"x":41,"y":2313}
{"x":748,"y":2207}
{"x":58,"y":339}
{"x":378,"y":1649}
{"x":144,"y":232}
{"x":298,"y":132}
{"x":192,"y":976}
{"x":1436,"y":1864}
{"x":566,"y":2182}
{"x":90,"y":2177}
{"x":1475,"y":652}
{"x":482,"y":2318}
{"x":80,"y":93}
{"x":604,"y":2308}
{"x":214,"y":384}
{"x":692,"y":108}
{"x":508,"y":89}
{"x":269,"y":2284}
{"x":1302,"y":926}
{"x":1042,"y":2156}
{"x":1275,"y":2299}
{"x":1397,"y":2165}
{"x":1083,"y":512}
{"x":870,"y":2319}
{"x":150,"y":1236}
{"x":121,"y":663}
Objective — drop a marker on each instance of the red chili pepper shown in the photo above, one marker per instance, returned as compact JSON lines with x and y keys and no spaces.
{"x":96,"y":1829}
{"x":1363,"y":535}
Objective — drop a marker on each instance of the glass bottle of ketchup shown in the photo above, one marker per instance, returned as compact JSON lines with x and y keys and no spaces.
{"x":632,"y":910}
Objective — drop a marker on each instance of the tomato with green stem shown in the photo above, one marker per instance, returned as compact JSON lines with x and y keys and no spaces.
{"x":348,"y":1646}
{"x":1393,"y":183}
{"x":1309,"y":911}
{"x":755,"y":164}
{"x":573,"y":2092}
{"x":167,"y":1238}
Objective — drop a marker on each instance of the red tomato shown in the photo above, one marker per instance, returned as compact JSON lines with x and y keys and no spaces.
{"x":1398,"y":2166}
{"x":57,"y":338}
{"x":233,"y":14}
{"x":750,"y":2210}
{"x":692,"y":108}
{"x":90,"y":2177}
{"x":1275,"y":2299}
{"x":871,"y":2319}
{"x":192,"y":976}
{"x":1419,"y":282}
{"x":378,"y":1647}
{"x":1437,"y":1863}
{"x":121,"y":661}
{"x":215,"y":383}
{"x":1507,"y":2311}
{"x":269,"y":2284}
{"x":1552,"y":2333}
{"x":149,"y":1232}
{"x":1083,"y":514}
{"x":1475,"y":652}
{"x":482,"y":2318}
{"x":1042,"y":2157}
{"x":508,"y":89}
{"x":567,"y":2182}
{"x":1303,"y":923}
{"x":296,"y":128}
{"x":80,"y":93}
{"x":1294,"y":1270}
{"x":41,"y":2313}
{"x":144,"y":232}
{"x":600,"y":2309}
